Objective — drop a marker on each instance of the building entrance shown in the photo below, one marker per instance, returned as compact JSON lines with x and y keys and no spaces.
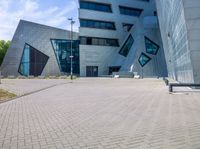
{"x":91,"y":71}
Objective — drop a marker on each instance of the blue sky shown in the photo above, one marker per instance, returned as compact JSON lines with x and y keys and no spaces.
{"x":49,"y":12}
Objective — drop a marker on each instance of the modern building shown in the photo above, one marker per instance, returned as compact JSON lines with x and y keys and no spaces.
{"x":40,"y":50}
{"x":153,"y":38}
{"x":120,"y":36}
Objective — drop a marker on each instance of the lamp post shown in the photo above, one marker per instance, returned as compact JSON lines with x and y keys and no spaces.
{"x":72,"y":22}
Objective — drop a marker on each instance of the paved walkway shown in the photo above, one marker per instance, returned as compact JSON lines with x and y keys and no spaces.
{"x":25,"y":86}
{"x":102,"y":114}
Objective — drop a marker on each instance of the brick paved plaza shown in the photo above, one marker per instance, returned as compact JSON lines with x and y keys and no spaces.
{"x":100,"y":114}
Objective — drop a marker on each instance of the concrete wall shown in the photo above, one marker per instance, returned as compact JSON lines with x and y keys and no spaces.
{"x":38,"y":36}
{"x":100,"y":56}
{"x":175,"y":37}
{"x":192,"y":17}
{"x":146,"y":25}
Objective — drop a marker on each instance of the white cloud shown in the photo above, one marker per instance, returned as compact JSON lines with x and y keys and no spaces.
{"x":30,"y":10}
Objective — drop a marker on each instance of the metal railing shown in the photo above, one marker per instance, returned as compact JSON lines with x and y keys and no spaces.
{"x":171,"y":85}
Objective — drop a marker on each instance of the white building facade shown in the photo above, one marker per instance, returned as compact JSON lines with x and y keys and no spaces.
{"x":120,"y":36}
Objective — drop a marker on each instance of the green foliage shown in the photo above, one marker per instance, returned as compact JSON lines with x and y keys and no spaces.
{"x":4,"y":45}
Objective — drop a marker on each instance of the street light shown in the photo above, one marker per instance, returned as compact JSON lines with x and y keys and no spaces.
{"x":72,"y":22}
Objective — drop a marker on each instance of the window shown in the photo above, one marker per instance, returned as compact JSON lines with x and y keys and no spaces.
{"x":89,"y":41}
{"x":155,"y":13}
{"x":114,"y":69}
{"x":62,"y":49}
{"x":151,"y":47}
{"x":127,"y":46}
{"x":32,"y":61}
{"x":97,"y":24}
{"x":144,"y":59}
{"x":95,"y":6}
{"x":127,"y":27}
{"x":99,"y":41}
{"x":130,"y":11}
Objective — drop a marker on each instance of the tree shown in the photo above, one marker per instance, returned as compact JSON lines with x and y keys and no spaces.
{"x":4,"y":45}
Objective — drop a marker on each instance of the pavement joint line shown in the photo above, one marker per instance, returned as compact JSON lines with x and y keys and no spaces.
{"x":33,"y":92}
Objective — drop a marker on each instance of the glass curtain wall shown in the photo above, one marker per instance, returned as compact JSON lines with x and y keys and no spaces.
{"x":62,"y":49}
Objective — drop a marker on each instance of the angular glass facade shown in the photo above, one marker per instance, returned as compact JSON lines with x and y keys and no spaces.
{"x":151,"y":47}
{"x":127,"y":46}
{"x":62,"y":49}
{"x":144,"y":59}
{"x":32,"y":61}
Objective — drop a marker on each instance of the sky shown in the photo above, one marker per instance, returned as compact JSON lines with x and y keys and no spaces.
{"x":48,"y":12}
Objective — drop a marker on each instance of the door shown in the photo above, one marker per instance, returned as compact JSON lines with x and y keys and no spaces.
{"x":114,"y":69}
{"x":91,"y":71}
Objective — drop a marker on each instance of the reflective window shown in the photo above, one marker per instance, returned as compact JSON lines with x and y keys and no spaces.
{"x":62,"y":49}
{"x":99,"y":41}
{"x":151,"y":47}
{"x":144,"y":59}
{"x":95,"y":6}
{"x":97,"y":24}
{"x":127,"y":46}
{"x":32,"y":61}
{"x":130,"y":11}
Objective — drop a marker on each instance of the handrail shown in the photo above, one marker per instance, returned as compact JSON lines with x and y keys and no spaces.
{"x":171,"y":85}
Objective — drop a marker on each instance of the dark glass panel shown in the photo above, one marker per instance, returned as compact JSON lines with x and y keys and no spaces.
{"x":127,"y":46}
{"x":114,"y":69}
{"x":130,"y":11}
{"x":95,"y":6}
{"x":32,"y":62}
{"x":92,"y":71}
{"x":99,"y":41}
{"x":144,"y":59}
{"x":37,"y":62}
{"x":97,"y":24}
{"x":151,"y":47}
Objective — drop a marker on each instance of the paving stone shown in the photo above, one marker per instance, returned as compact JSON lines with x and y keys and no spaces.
{"x":99,"y":114}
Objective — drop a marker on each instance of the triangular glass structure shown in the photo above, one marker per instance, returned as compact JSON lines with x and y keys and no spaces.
{"x":144,"y":59}
{"x":32,"y":62}
{"x":151,"y":47}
